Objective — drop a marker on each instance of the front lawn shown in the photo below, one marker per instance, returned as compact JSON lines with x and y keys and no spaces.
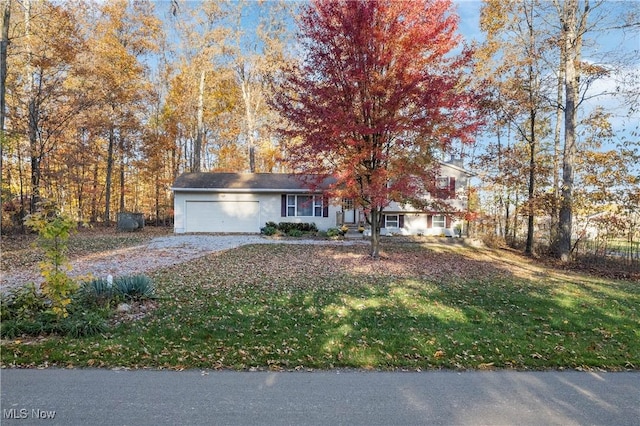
{"x":425,"y":305}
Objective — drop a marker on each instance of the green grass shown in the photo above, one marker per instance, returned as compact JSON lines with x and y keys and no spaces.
{"x":423,"y":306}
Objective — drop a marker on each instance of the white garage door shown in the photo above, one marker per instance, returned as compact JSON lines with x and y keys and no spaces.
{"x":222,"y":216}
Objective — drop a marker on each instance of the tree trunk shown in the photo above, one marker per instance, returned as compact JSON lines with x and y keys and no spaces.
{"x":35,"y":154}
{"x":533,"y":103}
{"x":157,"y":197}
{"x":530,"y":219}
{"x":507,"y":224}
{"x":376,"y":215}
{"x":122,"y":174}
{"x":107,"y":196}
{"x":554,"y":231}
{"x":572,"y":38}
{"x":22,"y":196}
{"x":33,"y":111}
{"x":197,"y":149}
{"x":4,"y":43}
{"x":94,"y":195}
{"x":249,"y":116}
{"x":252,"y":157}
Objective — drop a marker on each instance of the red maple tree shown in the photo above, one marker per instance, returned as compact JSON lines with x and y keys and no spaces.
{"x":382,"y":84}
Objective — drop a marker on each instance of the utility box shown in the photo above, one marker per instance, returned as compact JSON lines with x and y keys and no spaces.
{"x":130,"y":222}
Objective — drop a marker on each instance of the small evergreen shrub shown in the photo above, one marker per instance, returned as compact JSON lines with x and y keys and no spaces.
{"x":295,"y":233}
{"x":135,"y":287}
{"x":269,"y":230}
{"x":333,"y":233}
{"x":97,"y":292}
{"x":286,"y":227}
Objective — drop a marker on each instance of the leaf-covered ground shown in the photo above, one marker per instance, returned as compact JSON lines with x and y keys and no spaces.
{"x":425,"y":305}
{"x":21,"y":251}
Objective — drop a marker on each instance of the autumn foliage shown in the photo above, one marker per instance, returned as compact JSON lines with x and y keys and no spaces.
{"x":381,"y":89}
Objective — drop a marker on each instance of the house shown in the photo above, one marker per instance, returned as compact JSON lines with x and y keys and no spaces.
{"x":245,"y":202}
{"x":445,"y":218}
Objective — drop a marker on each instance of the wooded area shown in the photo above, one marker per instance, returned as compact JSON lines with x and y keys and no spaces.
{"x":555,"y":159}
{"x":105,"y":103}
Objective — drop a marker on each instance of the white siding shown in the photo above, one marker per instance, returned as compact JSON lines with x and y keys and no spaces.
{"x":267,"y":210}
{"x":222,"y":216}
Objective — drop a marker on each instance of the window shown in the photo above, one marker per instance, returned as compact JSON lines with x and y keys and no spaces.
{"x":304,"y":205}
{"x":445,"y":187}
{"x":442,"y":182}
{"x":391,"y":221}
{"x":438,"y":221}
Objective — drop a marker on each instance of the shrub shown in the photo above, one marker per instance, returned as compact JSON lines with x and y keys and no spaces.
{"x":86,"y":323}
{"x":135,"y":287}
{"x":97,"y":292}
{"x":269,"y":230}
{"x":22,"y":304}
{"x":54,"y":229}
{"x":271,"y":224}
{"x":333,"y":232}
{"x":294,"y":233}
{"x":15,"y":328}
{"x":26,"y":312}
{"x":100,"y":293}
{"x":286,"y":227}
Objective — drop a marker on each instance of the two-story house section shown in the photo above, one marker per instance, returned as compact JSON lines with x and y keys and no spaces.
{"x":445,"y":211}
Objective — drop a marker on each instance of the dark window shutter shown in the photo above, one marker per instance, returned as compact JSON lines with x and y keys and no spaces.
{"x":383,"y":221}
{"x":401,"y":221}
{"x":283,"y":206}
{"x":429,"y":221}
{"x":452,"y":187}
{"x":325,"y":206}
{"x":447,"y":221}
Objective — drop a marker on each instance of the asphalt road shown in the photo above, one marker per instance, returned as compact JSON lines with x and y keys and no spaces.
{"x":107,"y":397}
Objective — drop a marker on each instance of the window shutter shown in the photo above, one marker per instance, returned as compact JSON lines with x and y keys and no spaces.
{"x":283,"y":206}
{"x":429,"y":221}
{"x":401,"y":221}
{"x":447,"y":221}
{"x":383,"y":221}
{"x":452,"y":187}
{"x":325,"y":206}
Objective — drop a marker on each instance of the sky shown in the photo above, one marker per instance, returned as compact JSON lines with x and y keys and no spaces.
{"x":629,"y":41}
{"x":599,"y":50}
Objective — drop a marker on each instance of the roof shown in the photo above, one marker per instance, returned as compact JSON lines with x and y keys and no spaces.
{"x":457,"y":165}
{"x":246,"y":182}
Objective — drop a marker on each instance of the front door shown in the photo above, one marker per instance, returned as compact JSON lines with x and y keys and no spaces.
{"x":348,"y":211}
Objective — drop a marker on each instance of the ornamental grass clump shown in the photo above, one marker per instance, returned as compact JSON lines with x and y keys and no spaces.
{"x":98,"y":292}
{"x":135,"y":287}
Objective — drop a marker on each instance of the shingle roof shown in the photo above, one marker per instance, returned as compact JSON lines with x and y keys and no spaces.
{"x":246,"y":181}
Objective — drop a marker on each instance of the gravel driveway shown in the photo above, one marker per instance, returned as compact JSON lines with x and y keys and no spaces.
{"x":160,"y":252}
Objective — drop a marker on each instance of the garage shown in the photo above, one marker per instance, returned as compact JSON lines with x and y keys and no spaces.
{"x":222,"y":216}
